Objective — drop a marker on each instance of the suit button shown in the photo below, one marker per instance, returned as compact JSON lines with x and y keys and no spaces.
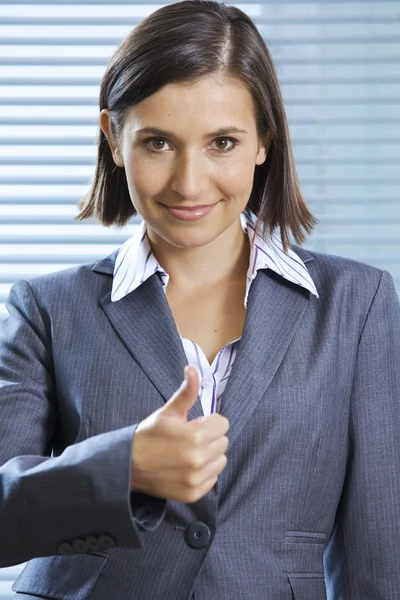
{"x":106,"y":541}
{"x":197,"y":535}
{"x":92,"y":542}
{"x":79,"y":545}
{"x":66,"y":549}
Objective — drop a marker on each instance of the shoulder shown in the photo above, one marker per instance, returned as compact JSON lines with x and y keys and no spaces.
{"x":85,"y":280}
{"x":332,"y":271}
{"x":350,"y":290}
{"x":349,"y":286}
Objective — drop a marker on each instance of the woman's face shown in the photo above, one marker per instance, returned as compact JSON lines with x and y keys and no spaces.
{"x":186,"y":164}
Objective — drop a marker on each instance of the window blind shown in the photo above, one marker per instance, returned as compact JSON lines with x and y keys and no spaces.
{"x":339,"y":67}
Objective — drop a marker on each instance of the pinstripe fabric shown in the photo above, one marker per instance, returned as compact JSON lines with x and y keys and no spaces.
{"x":135,"y":263}
{"x":307,"y":507}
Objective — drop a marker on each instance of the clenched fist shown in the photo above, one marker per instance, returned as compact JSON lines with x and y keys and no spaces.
{"x":174,"y":458}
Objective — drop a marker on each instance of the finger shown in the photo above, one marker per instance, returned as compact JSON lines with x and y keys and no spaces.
{"x":185,"y":396}
{"x":211,"y":427}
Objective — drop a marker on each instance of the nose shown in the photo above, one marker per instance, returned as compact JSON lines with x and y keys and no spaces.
{"x":190,"y":175}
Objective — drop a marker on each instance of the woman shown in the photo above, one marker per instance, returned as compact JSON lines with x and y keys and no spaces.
{"x":273,"y":470}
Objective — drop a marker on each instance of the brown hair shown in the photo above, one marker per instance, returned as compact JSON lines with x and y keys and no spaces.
{"x":182,"y":42}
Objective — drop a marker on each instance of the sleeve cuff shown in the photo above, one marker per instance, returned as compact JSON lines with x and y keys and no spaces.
{"x":147,"y":511}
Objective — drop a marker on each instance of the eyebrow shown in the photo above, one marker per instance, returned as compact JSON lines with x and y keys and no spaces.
{"x":216,"y":133}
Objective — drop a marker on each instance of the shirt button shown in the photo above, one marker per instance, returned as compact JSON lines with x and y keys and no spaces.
{"x":206,"y":383}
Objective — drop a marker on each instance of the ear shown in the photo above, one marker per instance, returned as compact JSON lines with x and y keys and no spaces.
{"x":263,"y":149}
{"x":105,"y":124}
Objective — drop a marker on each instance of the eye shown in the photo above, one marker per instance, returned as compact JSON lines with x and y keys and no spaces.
{"x":233,"y":141}
{"x":159,"y":140}
{"x":153,"y":139}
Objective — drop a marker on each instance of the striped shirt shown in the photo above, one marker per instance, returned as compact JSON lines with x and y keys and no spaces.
{"x":136,"y":262}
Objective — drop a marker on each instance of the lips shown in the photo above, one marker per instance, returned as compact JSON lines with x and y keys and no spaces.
{"x":190,"y":213}
{"x":194,"y":208}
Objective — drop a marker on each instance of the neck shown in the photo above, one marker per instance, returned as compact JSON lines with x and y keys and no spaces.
{"x":223,"y":262}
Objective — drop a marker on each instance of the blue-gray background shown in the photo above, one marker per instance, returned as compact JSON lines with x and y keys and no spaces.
{"x":339,"y":68}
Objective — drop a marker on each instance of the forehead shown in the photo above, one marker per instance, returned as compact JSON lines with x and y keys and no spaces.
{"x":206,"y":104}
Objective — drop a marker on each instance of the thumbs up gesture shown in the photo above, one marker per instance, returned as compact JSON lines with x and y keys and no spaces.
{"x":178,"y":459}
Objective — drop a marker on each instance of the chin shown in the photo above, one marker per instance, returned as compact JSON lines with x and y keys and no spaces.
{"x":190,"y":239}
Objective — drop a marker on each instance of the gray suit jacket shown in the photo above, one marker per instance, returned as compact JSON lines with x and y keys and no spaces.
{"x":308,"y":506}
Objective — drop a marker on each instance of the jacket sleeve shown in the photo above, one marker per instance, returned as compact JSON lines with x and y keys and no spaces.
{"x":54,"y":505}
{"x":363,"y":556}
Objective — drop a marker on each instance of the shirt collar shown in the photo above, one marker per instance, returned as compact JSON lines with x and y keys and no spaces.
{"x":136,"y":262}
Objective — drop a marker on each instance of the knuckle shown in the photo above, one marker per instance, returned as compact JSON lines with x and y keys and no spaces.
{"x":195,"y":461}
{"x":197,"y":438}
{"x":192,"y":481}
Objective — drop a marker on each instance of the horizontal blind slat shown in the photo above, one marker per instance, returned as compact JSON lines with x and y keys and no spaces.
{"x":75,"y":74}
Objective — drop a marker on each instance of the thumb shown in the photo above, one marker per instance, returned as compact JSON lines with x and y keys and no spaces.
{"x":185,"y":396}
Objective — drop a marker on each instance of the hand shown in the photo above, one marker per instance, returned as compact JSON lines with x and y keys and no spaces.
{"x":174,"y":458}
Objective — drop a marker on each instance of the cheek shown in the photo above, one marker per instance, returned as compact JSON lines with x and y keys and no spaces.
{"x":238,"y":174}
{"x":143,"y":179}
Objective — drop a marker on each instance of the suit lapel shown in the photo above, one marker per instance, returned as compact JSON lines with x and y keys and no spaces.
{"x":144,"y":322}
{"x":274,"y":311}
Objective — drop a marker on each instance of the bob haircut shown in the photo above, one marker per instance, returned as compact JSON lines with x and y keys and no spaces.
{"x":204,"y":38}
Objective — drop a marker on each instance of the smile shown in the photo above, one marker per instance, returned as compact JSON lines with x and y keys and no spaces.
{"x":190,"y":213}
